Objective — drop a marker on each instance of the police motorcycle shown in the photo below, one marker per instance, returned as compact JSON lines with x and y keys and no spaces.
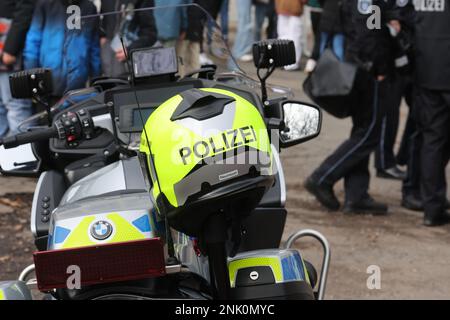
{"x":163,"y":186}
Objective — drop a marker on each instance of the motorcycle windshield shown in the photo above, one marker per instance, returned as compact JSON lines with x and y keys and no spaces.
{"x":118,"y":32}
{"x":190,"y":29}
{"x":200,"y":41}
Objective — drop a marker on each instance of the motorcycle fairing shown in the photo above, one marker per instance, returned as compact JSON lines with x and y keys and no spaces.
{"x":14,"y":290}
{"x":129,"y":217}
{"x":121,"y":176}
{"x":286,"y":265}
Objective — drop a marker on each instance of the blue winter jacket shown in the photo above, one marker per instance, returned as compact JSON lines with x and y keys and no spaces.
{"x":72,"y":55}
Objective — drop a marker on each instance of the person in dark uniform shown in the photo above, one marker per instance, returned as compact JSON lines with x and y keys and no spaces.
{"x":369,"y":48}
{"x":433,"y":103}
{"x":411,"y":143}
{"x":399,"y":86}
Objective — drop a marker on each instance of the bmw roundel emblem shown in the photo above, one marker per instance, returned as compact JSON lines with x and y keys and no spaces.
{"x":101,"y":230}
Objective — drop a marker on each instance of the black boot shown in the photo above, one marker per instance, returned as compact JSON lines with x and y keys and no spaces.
{"x":412,"y":202}
{"x":323,"y":193}
{"x":437,"y":220}
{"x":393,"y":173}
{"x":366,"y":205}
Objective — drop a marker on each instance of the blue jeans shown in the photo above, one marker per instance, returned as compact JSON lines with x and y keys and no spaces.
{"x":337,"y":43}
{"x":260,"y":15}
{"x":12,"y":111}
{"x":223,"y":22}
{"x":244,"y":37}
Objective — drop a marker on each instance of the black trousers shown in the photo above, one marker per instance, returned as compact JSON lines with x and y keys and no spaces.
{"x":315,"y":22}
{"x":272,"y":32}
{"x":351,"y":159}
{"x":211,"y":6}
{"x":411,"y":144}
{"x":397,"y":87}
{"x":408,"y":92}
{"x":435,"y":125}
{"x":197,"y":19}
{"x":411,"y":185}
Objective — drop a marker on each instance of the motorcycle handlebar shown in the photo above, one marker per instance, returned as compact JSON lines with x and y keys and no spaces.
{"x":28,"y":137}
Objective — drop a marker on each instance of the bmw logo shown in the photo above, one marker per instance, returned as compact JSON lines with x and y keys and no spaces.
{"x":101,"y":230}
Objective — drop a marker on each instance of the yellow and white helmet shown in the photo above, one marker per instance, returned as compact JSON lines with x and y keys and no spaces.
{"x":207,"y":149}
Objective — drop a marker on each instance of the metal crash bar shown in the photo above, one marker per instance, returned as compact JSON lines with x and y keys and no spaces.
{"x":326,"y":255}
{"x":26,"y":272}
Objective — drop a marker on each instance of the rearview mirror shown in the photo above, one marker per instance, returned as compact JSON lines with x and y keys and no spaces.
{"x":302,"y":123}
{"x":20,"y":161}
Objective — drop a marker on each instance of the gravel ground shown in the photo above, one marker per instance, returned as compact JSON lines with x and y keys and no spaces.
{"x":413,"y":259}
{"x":15,"y":235}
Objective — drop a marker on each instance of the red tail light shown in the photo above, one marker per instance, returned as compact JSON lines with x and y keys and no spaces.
{"x":101,"y":264}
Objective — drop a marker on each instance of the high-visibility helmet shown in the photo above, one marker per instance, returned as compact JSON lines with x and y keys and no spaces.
{"x":207,"y":149}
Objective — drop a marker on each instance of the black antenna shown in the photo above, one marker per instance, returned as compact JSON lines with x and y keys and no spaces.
{"x":170,"y":246}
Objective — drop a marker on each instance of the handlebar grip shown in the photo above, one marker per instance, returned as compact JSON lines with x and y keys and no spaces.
{"x":28,"y":137}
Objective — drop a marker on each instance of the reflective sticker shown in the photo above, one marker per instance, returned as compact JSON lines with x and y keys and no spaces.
{"x":125,"y":231}
{"x":292,"y":269}
{"x":80,"y":235}
{"x":104,"y":228}
{"x":143,"y":223}
{"x":61,"y":234}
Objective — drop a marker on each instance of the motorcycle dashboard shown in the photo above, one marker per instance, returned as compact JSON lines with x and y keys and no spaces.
{"x":134,"y":106}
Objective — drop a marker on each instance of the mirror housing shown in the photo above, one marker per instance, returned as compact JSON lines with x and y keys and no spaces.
{"x":20,"y":161}
{"x":303,"y":122}
{"x":273,"y":53}
{"x":30,"y":83}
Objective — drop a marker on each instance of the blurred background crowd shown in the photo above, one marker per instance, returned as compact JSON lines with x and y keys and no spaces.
{"x":34,"y":34}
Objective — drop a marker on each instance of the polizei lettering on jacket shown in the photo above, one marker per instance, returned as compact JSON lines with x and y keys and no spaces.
{"x":430,"y":5}
{"x":220,"y":143}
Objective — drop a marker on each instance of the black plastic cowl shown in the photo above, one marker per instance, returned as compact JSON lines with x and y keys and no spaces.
{"x":200,"y":105}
